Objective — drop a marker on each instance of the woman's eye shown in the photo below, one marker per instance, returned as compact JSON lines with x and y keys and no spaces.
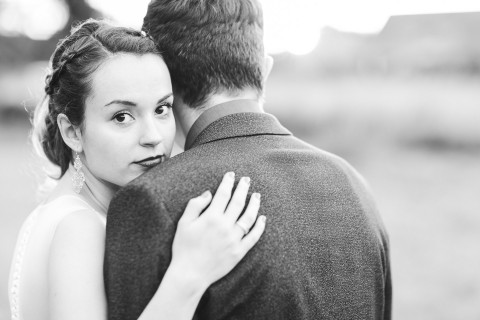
{"x":163,"y":109}
{"x":123,"y":117}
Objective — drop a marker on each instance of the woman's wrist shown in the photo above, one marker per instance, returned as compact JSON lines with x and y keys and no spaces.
{"x":177,"y":296}
{"x":185,"y":280}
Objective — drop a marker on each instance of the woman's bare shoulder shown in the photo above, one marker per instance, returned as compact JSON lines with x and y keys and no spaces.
{"x":80,"y":227}
{"x":70,"y":224}
{"x":82,"y":221}
{"x":75,"y":269}
{"x":65,"y":208}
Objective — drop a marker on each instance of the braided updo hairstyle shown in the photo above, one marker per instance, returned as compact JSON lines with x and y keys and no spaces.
{"x":68,"y":85}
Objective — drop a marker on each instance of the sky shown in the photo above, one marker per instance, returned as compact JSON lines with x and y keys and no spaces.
{"x":290,"y":25}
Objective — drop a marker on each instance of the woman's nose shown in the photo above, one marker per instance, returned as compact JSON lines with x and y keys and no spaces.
{"x":151,"y":134}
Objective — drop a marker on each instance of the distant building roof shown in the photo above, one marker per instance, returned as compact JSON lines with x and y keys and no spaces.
{"x":444,"y":24}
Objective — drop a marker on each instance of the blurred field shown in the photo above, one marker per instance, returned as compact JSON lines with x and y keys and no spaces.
{"x":416,"y":140}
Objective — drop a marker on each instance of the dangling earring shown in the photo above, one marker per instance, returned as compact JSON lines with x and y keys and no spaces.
{"x":78,"y":177}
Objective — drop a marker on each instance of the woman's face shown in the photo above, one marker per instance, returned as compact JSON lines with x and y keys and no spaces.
{"x":128,"y":125}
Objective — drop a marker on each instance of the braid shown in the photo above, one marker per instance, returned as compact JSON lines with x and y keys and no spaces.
{"x":52,"y":79}
{"x":52,"y":137}
{"x":48,"y":86}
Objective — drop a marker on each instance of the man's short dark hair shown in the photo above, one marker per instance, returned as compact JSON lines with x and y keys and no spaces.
{"x":209,"y":46}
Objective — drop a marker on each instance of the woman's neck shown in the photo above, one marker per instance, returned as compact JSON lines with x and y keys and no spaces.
{"x":99,"y":193}
{"x":95,"y":192}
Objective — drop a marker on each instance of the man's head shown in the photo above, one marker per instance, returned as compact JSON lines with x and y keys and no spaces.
{"x":211,"y":47}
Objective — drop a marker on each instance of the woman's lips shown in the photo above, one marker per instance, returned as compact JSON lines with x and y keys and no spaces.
{"x":150,"y":162}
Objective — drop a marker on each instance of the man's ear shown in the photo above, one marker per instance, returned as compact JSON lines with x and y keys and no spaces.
{"x":71,"y":135}
{"x":180,"y":136}
{"x":267,"y":67}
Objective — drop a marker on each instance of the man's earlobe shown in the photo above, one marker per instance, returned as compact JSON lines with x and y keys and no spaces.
{"x":267,"y":65}
{"x":71,"y":135}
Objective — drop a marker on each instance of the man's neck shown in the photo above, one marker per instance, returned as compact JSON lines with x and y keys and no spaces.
{"x":186,"y":116}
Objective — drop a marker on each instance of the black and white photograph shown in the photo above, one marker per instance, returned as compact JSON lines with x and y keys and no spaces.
{"x":239,"y":159}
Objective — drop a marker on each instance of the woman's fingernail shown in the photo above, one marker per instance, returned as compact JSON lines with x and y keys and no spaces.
{"x":263,"y":219}
{"x":257,"y":196}
{"x":230,"y":175}
{"x":206,"y":194}
{"x":246,"y":180}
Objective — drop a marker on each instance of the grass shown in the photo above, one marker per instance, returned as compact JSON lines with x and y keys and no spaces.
{"x":416,"y":140}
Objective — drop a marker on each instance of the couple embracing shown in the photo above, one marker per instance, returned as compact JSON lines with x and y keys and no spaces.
{"x":248,"y":222}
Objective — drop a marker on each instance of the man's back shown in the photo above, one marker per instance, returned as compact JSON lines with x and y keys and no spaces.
{"x":324,"y":254}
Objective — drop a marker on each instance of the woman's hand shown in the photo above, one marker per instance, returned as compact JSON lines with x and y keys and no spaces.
{"x":208,"y":245}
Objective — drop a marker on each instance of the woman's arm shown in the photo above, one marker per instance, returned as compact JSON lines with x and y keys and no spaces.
{"x":208,"y":244}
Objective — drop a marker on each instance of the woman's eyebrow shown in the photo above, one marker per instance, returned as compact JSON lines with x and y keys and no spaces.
{"x":165,"y":97}
{"x":133,"y":104}
{"x":124,"y":102}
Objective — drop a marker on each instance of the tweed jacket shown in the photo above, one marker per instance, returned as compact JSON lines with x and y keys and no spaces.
{"x":323,"y":255}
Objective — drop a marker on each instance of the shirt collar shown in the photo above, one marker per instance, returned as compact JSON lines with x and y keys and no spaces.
{"x":216,"y":112}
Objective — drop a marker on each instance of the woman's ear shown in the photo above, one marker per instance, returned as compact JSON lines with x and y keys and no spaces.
{"x":71,"y":135}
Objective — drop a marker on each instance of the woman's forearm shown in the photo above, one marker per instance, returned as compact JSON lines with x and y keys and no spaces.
{"x":177,"y":297}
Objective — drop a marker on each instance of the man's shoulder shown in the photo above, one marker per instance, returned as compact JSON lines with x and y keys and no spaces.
{"x":177,"y":169}
{"x":329,"y":159}
{"x":202,"y":160}
{"x":203,"y":166}
{"x":177,"y":180}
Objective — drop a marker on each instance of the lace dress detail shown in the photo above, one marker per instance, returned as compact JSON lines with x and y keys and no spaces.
{"x":17,"y":266}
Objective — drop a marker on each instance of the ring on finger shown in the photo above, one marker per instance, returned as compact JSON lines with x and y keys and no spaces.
{"x":242,"y":227}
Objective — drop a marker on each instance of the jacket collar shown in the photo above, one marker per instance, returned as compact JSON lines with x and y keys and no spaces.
{"x":233,"y":119}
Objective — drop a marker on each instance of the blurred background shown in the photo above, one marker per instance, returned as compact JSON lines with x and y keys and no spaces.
{"x":391,"y":86}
